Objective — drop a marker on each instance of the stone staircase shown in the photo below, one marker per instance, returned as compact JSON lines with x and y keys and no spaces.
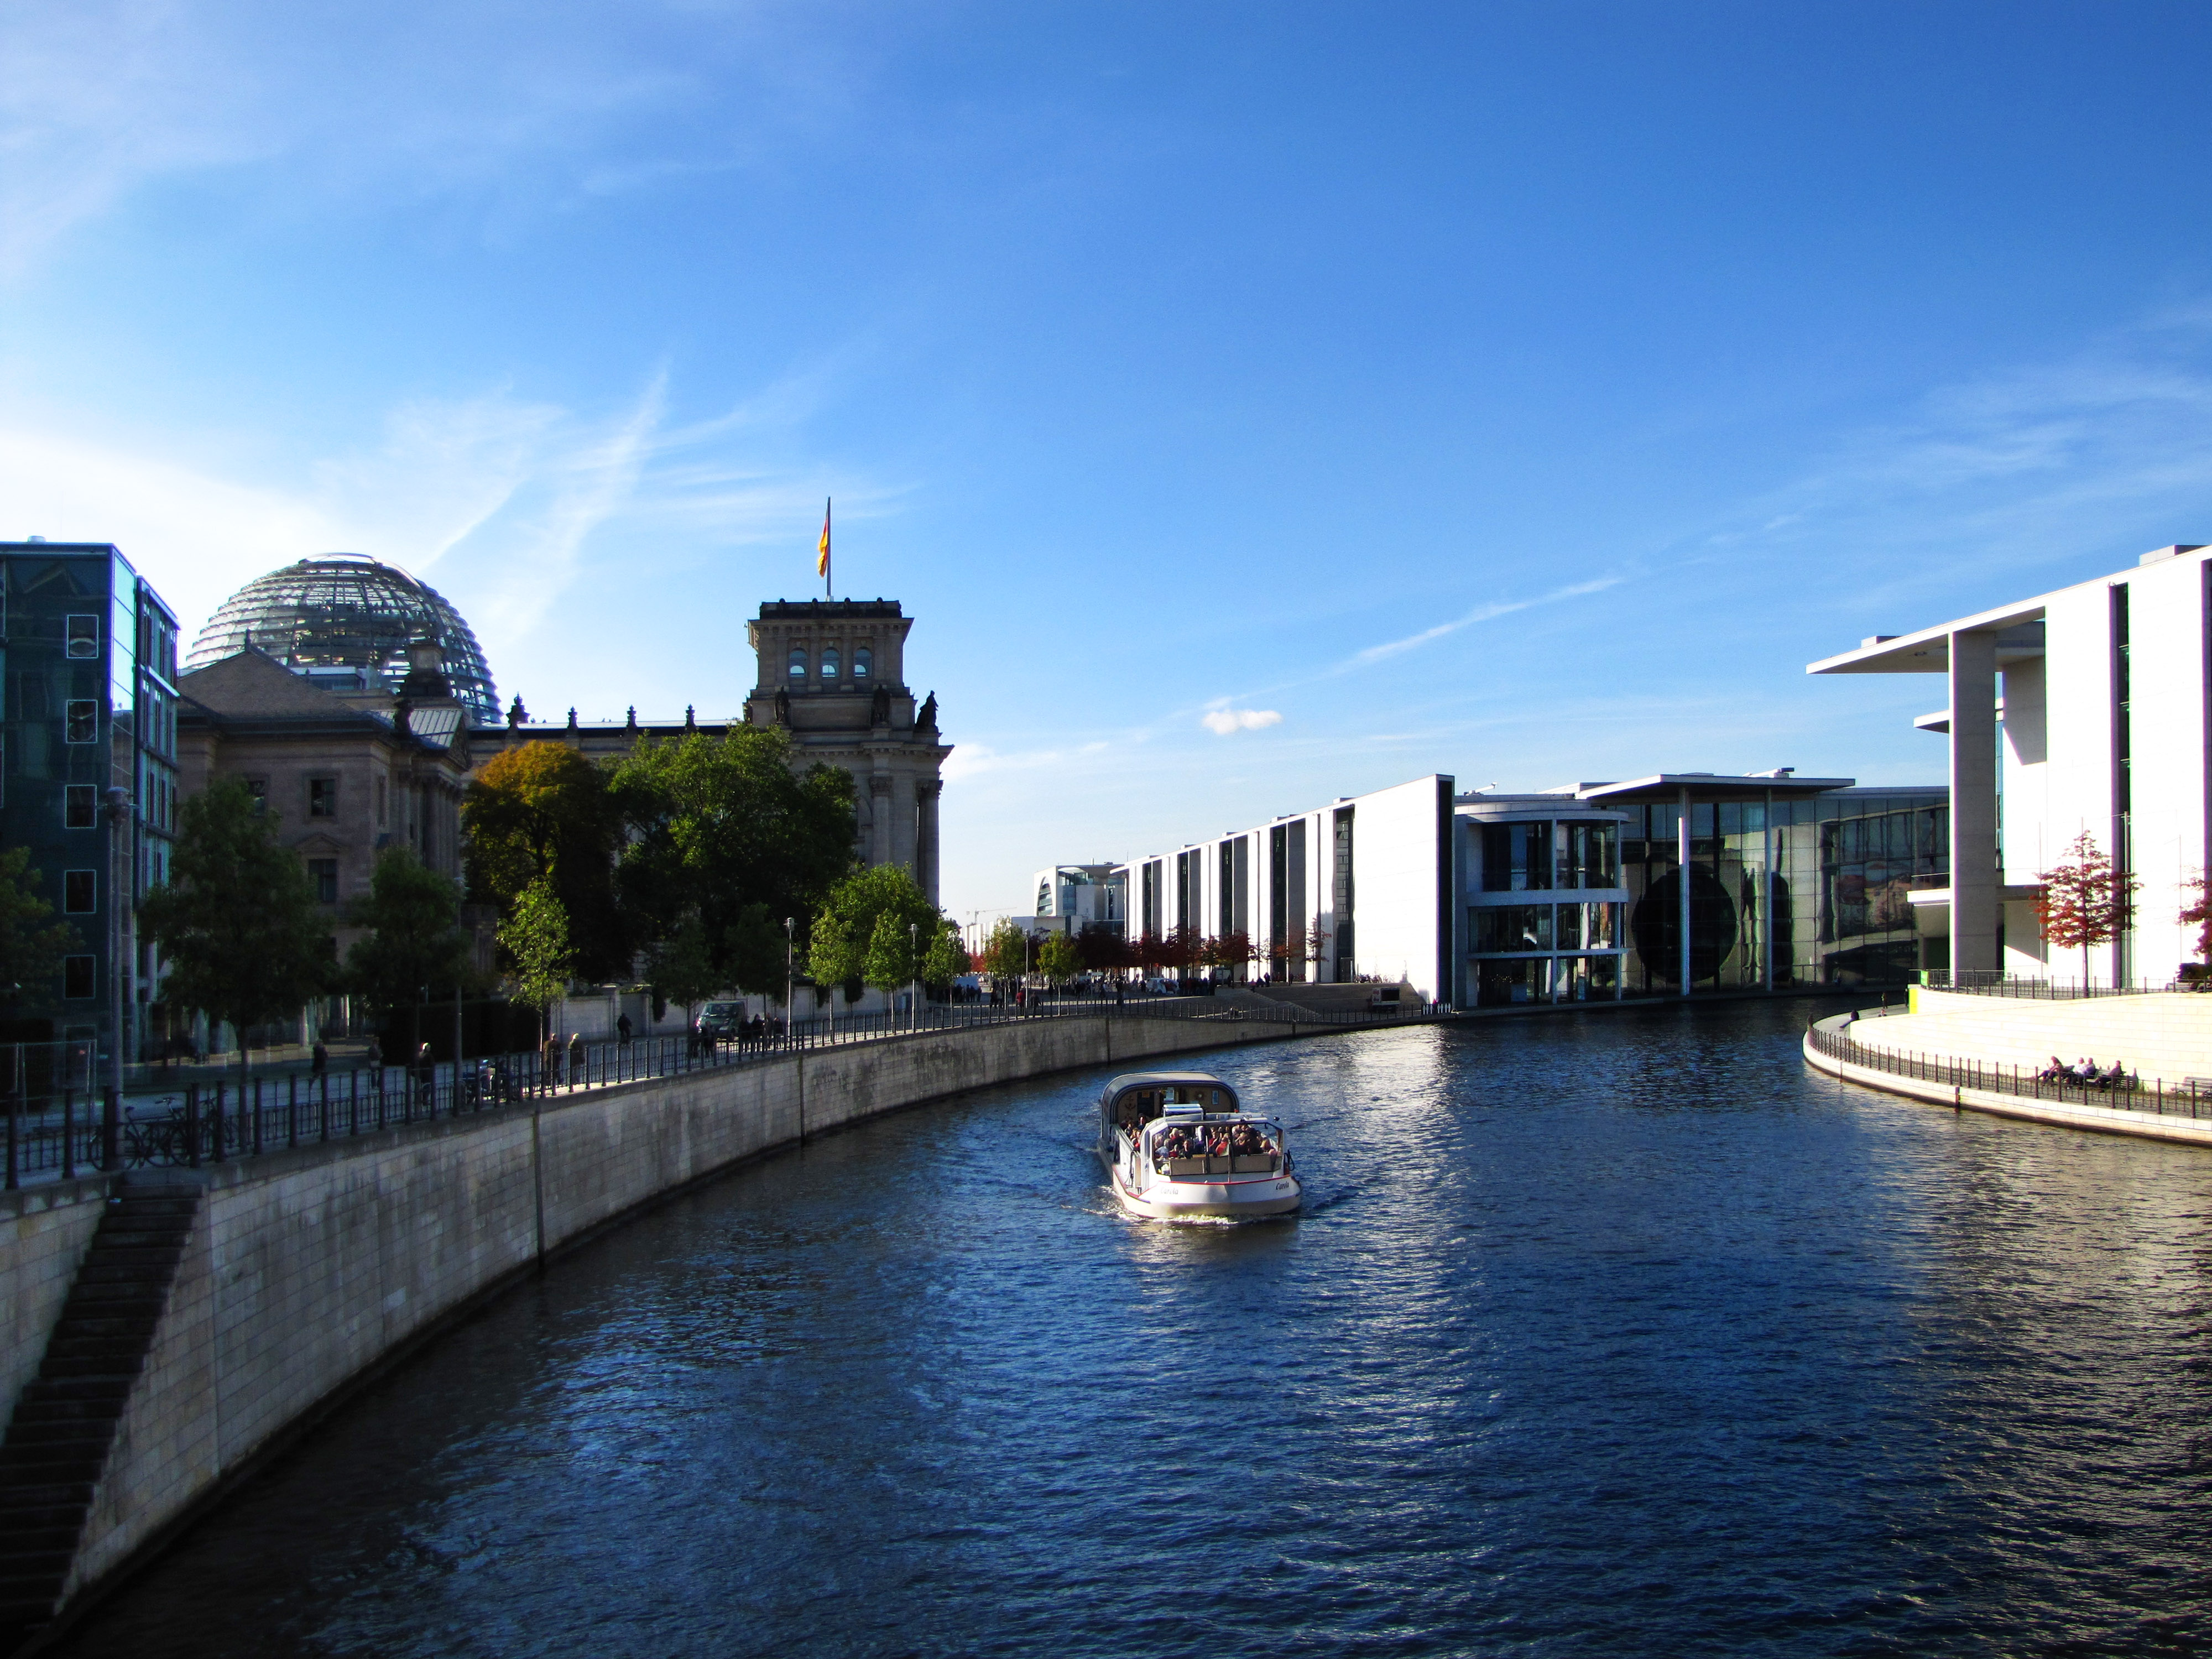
{"x":57,"y":1441}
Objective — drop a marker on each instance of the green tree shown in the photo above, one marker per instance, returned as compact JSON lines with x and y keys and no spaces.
{"x":945,"y":960}
{"x":866,"y":897}
{"x":834,"y":956}
{"x":542,"y":812}
{"x":891,"y":959}
{"x":723,"y":824}
{"x":238,"y":922}
{"x":31,"y":947}
{"x":416,"y":943}
{"x":1059,"y":958}
{"x":753,"y":950}
{"x":535,"y":939}
{"x":682,"y":968}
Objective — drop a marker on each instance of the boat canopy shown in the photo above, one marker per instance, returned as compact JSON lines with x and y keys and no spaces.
{"x":1139,"y":1097}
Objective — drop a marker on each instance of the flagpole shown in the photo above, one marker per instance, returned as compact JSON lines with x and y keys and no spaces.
{"x":828,"y":579}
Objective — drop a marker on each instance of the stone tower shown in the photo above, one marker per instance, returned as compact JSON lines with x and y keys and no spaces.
{"x":834,"y":672}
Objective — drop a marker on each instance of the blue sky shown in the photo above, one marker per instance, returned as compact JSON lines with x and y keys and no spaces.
{"x":1523,"y":391}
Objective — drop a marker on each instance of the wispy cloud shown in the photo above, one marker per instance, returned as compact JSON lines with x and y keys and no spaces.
{"x":1225,"y":722}
{"x":1481,"y":613}
{"x":507,"y":503}
{"x":348,"y":101}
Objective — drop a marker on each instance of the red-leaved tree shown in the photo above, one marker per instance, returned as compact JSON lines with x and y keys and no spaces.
{"x":2085,"y":902}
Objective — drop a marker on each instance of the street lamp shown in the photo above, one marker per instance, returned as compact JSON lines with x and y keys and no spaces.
{"x":913,"y":961}
{"x":787,"y":1032}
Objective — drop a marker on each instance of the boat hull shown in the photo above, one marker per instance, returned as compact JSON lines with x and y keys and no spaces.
{"x":1200,"y":1201}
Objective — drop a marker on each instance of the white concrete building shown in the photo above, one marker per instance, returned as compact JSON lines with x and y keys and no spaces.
{"x":2084,"y":709}
{"x":1369,"y":873}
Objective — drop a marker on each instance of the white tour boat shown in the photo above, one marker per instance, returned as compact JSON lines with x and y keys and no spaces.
{"x":1177,"y":1144}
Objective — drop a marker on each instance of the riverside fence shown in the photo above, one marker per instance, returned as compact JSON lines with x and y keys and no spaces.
{"x":2192,"y":1097}
{"x":58,"y":1124}
{"x":1990,"y":982}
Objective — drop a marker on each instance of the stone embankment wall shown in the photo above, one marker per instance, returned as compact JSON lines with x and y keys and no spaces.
{"x":305,"y":1268}
{"x":2166,"y":1034}
{"x":44,"y":1232}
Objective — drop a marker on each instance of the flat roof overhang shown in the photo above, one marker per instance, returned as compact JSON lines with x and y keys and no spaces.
{"x":1666,"y":787}
{"x":2019,"y":628}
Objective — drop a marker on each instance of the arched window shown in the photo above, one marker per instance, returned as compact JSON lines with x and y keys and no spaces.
{"x":864,"y":662}
{"x":797,"y":662}
{"x":829,"y":662}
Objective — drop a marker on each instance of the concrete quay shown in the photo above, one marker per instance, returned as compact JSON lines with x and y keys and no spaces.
{"x":305,"y":1272}
{"x":1834,"y":1058}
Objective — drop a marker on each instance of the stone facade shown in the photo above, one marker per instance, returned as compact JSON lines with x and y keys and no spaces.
{"x":833,"y":672}
{"x":345,"y":776}
{"x":862,"y":717}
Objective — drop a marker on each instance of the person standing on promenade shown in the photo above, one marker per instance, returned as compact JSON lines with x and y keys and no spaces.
{"x":549,"y":1060}
{"x":576,"y":1059}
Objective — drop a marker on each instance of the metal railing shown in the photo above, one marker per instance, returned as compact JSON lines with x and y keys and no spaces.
{"x":2192,"y":1097}
{"x":1990,"y":983}
{"x":74,"y":1129}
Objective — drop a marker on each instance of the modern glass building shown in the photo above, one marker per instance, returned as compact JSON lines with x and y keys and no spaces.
{"x":88,"y":774}
{"x":1790,"y":882}
{"x":345,"y":622}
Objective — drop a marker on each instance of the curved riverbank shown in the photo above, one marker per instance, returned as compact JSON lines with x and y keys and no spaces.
{"x":304,"y":1271}
{"x":1954,"y":1081}
{"x":1603,"y":1335}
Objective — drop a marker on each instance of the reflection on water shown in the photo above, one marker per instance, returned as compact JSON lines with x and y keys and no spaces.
{"x":1606,"y":1335}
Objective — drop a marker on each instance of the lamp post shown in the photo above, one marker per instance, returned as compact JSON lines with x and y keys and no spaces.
{"x":789,"y":1035}
{"x":913,"y":961}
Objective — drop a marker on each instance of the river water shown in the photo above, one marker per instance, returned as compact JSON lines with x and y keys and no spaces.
{"x":1608,"y":1333}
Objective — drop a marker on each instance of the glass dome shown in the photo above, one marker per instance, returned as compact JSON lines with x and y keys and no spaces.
{"x":345,"y":611}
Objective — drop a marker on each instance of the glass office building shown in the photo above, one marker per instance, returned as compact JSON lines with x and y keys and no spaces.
{"x":1579,"y":894}
{"x":88,"y":774}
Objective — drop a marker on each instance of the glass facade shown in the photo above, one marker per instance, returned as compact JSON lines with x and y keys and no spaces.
{"x":343,"y":612}
{"x":1560,"y":949}
{"x":88,"y":772}
{"x":1836,"y":869}
{"x":1823,"y":882}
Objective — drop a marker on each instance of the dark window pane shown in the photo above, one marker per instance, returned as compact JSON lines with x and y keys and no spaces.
{"x":78,"y":973}
{"x":322,"y":798}
{"x":81,"y":807}
{"x":83,"y":719}
{"x":80,"y":893}
{"x":324,"y":873}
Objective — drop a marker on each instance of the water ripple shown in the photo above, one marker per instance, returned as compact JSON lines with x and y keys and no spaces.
{"x":1599,"y":1335}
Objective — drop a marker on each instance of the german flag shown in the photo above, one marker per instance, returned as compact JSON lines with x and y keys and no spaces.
{"x":822,"y":558}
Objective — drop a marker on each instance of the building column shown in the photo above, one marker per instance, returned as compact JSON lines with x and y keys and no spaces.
{"x":925,"y":855}
{"x":1682,"y":884}
{"x":880,"y":819}
{"x":1974,"y":892}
